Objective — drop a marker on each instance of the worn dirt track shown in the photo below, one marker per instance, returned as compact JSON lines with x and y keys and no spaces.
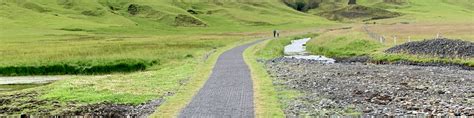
{"x":228,"y":92}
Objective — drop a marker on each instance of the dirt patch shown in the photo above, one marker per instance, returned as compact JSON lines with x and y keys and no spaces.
{"x":359,"y":12}
{"x":302,"y":5}
{"x":29,"y":103}
{"x":194,"y":12}
{"x":116,"y":110}
{"x":188,"y":21}
{"x":135,"y":9}
{"x":35,"y":7}
{"x":445,"y":48}
{"x":75,"y":29}
{"x":96,"y":12}
{"x":145,"y":11}
{"x":68,"y":4}
{"x":376,"y":90}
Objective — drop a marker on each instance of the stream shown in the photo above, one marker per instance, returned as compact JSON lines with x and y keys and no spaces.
{"x":297,"y":49}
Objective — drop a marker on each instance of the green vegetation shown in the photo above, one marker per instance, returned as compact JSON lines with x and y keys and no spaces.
{"x":134,"y":88}
{"x":167,"y":42}
{"x":83,"y":67}
{"x":342,"y":46}
{"x":81,"y":32}
{"x":265,"y":96}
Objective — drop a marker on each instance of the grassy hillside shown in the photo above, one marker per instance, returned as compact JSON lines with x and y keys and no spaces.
{"x":167,"y":41}
{"x":69,"y":31}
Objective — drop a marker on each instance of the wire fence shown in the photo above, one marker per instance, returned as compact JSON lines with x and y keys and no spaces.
{"x":374,"y":35}
{"x":396,"y":39}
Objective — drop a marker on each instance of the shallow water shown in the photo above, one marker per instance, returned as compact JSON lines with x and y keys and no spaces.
{"x":19,"y":83}
{"x":297,"y":49}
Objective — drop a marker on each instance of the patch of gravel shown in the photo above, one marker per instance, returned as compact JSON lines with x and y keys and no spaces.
{"x":437,"y":47}
{"x":389,"y":90}
{"x":117,"y":110}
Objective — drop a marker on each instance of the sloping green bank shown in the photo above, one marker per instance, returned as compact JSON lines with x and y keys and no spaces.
{"x":79,"y":67}
{"x":343,"y":47}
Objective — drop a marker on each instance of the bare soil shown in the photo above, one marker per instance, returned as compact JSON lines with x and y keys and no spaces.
{"x":29,"y":103}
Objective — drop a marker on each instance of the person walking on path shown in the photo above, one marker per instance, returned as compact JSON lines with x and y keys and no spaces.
{"x":274,"y":33}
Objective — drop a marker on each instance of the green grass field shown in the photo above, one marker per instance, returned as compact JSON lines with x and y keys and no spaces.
{"x":147,"y":48}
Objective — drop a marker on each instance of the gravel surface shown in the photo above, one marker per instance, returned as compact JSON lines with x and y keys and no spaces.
{"x":437,"y":47}
{"x":228,"y":92}
{"x":337,"y":89}
{"x":117,"y":110}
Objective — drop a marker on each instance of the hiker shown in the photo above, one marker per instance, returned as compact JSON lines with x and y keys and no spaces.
{"x":274,"y":33}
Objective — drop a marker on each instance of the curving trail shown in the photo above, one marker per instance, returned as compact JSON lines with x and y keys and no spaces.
{"x":228,"y":92}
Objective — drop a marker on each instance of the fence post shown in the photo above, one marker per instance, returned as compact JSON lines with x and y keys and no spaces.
{"x":394,"y":40}
{"x":383,"y":39}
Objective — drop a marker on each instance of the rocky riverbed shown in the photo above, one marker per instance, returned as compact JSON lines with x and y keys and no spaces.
{"x":368,"y":89}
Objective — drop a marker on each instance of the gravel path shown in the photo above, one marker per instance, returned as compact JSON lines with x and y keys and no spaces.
{"x":229,"y":90}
